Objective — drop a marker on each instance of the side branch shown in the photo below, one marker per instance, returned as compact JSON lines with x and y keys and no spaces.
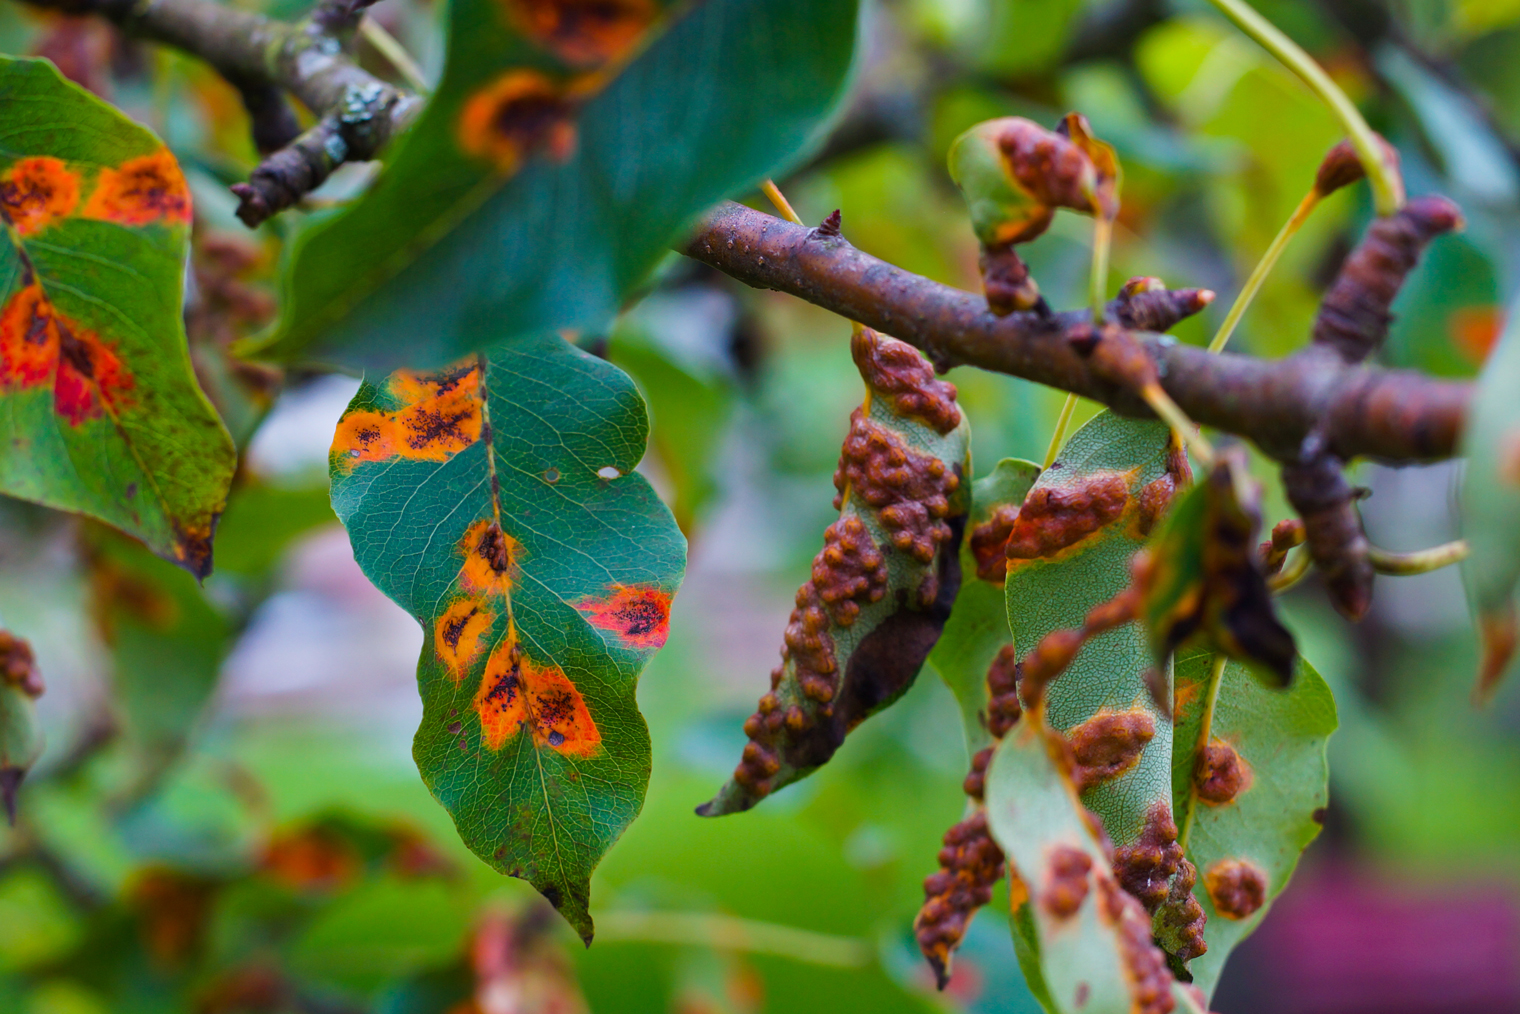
{"x":1393,"y":415}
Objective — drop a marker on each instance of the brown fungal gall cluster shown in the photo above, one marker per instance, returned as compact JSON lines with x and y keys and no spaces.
{"x":1108,"y":744}
{"x":895,"y":371}
{"x":1145,"y":304}
{"x":1221,"y":774}
{"x":1354,"y":315}
{"x":909,"y":491}
{"x":975,"y":783}
{"x":18,"y":666}
{"x":1056,"y":650}
{"x":1067,"y":881}
{"x":1053,"y":518}
{"x":1180,"y":921}
{"x":1155,"y":497}
{"x":1003,"y":708}
{"x":1145,"y":868}
{"x":970,"y":864}
{"x":989,"y":541}
{"x":1145,"y":965}
{"x":1237,"y":888}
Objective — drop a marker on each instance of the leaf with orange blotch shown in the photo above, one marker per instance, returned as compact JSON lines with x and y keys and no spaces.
{"x":101,"y":411}
{"x":496,"y":500}
{"x":1491,"y":507}
{"x":567,"y":146}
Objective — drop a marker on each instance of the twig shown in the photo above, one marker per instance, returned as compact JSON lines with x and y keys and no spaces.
{"x":1392,"y":415}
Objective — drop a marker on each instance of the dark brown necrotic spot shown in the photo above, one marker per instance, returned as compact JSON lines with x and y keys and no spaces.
{"x":1222,"y":774}
{"x":988,"y":541}
{"x":1149,"y":979}
{"x":493,"y":548}
{"x":1053,"y":518}
{"x":1066,"y":881}
{"x":969,"y":865}
{"x":895,"y":370}
{"x":1145,"y":867}
{"x":1236,"y":887}
{"x":1109,"y":744}
{"x":909,"y":491}
{"x":1354,"y":316}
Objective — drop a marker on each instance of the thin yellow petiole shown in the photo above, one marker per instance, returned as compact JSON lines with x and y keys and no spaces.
{"x":1162,"y":404}
{"x":703,"y":929}
{"x":1422,"y":562}
{"x":1059,"y":435}
{"x":388,"y":46}
{"x":777,"y":198}
{"x":1263,"y":269}
{"x":1103,"y":234}
{"x":1205,"y":732}
{"x":1387,"y":188}
{"x":1294,"y":570}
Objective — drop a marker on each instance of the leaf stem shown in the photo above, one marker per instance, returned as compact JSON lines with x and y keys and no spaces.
{"x":1103,"y":234}
{"x":1387,"y":192}
{"x":1293,"y":571}
{"x":1062,"y":421}
{"x":777,"y":198}
{"x":1263,"y":269}
{"x":388,"y":46}
{"x":1422,"y":562}
{"x":1205,"y":730}
{"x":703,"y":929}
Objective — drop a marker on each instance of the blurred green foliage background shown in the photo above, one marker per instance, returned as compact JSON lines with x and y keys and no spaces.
{"x":227,"y":818}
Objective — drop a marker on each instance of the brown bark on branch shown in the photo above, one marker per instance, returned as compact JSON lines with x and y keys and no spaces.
{"x":1392,"y":415}
{"x":359,"y":112}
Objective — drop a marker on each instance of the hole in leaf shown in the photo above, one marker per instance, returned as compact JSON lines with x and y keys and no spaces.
{"x":608,"y":472}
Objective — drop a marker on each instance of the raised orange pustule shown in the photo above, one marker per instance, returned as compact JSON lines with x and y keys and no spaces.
{"x":28,"y":338}
{"x":141,"y":190}
{"x":491,"y":559}
{"x":583,"y":32}
{"x":519,"y":112}
{"x":37,"y":192}
{"x":458,"y":632}
{"x":438,"y":415}
{"x":517,"y":692}
{"x":639,"y":614}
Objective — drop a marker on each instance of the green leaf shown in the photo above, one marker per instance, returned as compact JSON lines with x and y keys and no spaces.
{"x":1250,"y":795}
{"x":102,"y":414}
{"x":1091,"y":939}
{"x":1203,"y":581}
{"x":527,"y":199}
{"x":1491,"y":504}
{"x":496,"y":501}
{"x":1070,"y":550}
{"x":1021,"y":38}
{"x":978,"y":625}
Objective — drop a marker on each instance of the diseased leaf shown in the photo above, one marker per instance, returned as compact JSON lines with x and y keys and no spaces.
{"x":496,"y":501}
{"x":977,"y":630}
{"x":565,"y":148}
{"x":102,"y":414}
{"x":1249,"y":792}
{"x":1091,"y":939}
{"x":1491,"y":504}
{"x":882,"y":586}
{"x":1203,"y":580}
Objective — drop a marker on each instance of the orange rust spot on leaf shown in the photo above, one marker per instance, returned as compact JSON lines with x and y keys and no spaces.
{"x":1144,"y":964}
{"x":1054,"y":518}
{"x":457,"y":634}
{"x":989,"y":540}
{"x":970,"y":863}
{"x":1144,"y":867}
{"x":639,"y":615}
{"x":895,"y":370}
{"x":583,"y":32}
{"x":519,"y":112}
{"x":37,"y":192}
{"x":1475,"y":330}
{"x":37,"y":344}
{"x":1236,"y":887}
{"x":141,"y":190}
{"x":28,"y":338}
{"x":1222,"y":774}
{"x":90,"y":376}
{"x":1066,"y":881}
{"x":1109,"y":744}
{"x":439,"y":416}
{"x":517,"y":692}
{"x":490,"y":559}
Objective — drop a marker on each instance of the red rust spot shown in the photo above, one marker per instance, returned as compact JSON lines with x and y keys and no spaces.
{"x":1236,"y":887}
{"x":140,"y":191}
{"x":1054,"y":518}
{"x":1109,"y":744}
{"x":513,"y":116}
{"x":439,"y":415}
{"x":1150,"y":981}
{"x":1066,"y":881}
{"x":90,"y":376}
{"x":457,"y":634}
{"x":490,"y":559}
{"x":36,"y":193}
{"x":970,"y":863}
{"x":583,"y":33}
{"x":895,"y":370}
{"x":908,"y":490}
{"x":989,"y":541}
{"x":516,"y":692}
{"x":1222,"y":774}
{"x":18,"y":666}
{"x":28,"y":338}
{"x":639,"y":615}
{"x":1145,"y":867}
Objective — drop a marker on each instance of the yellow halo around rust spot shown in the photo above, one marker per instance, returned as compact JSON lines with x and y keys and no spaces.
{"x":515,"y":692}
{"x":514,"y":115}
